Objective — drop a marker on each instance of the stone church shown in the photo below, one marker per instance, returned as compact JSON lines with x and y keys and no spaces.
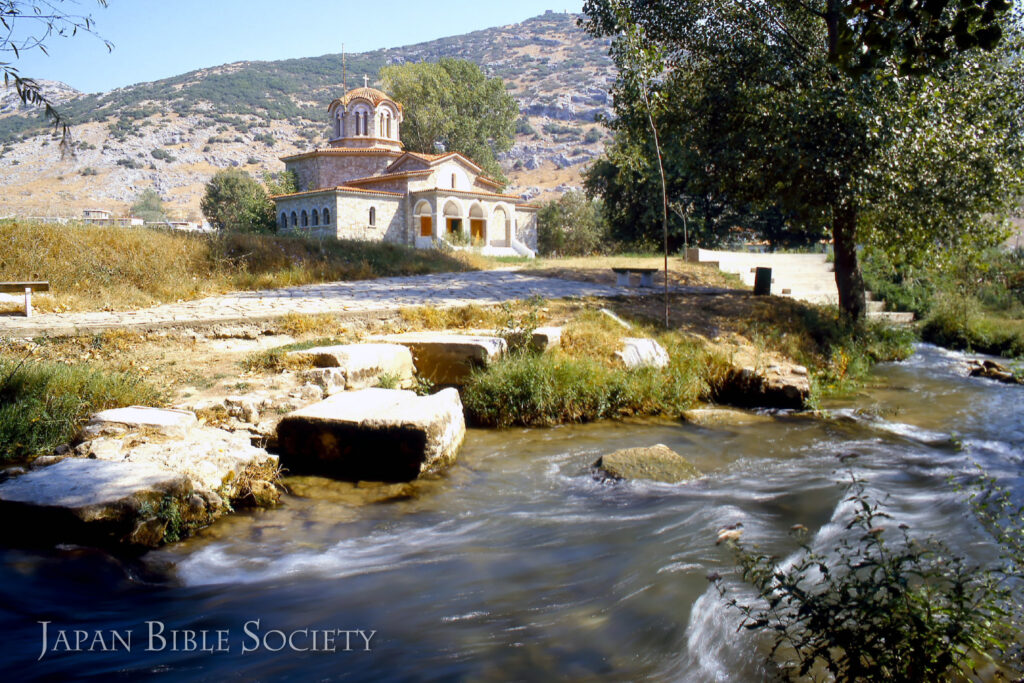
{"x":363,"y":185}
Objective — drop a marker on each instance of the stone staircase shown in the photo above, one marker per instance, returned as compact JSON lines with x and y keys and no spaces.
{"x":806,"y":277}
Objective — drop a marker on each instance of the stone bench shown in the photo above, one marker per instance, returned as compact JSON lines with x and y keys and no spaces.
{"x":27,"y":288}
{"x":646,"y":276}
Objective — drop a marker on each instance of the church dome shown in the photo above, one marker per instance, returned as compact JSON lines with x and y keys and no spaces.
{"x":371,"y":95}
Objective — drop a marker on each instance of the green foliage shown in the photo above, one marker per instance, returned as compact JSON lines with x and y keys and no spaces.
{"x":149,"y":206}
{"x":555,"y":388}
{"x":572,"y":225}
{"x":453,"y":103}
{"x":593,"y":135}
{"x":519,"y":323}
{"x":882,"y":605}
{"x":42,"y":405}
{"x":163,"y":155}
{"x":765,"y":121}
{"x":234,"y":201}
{"x":388,"y":380}
{"x":285,"y":182}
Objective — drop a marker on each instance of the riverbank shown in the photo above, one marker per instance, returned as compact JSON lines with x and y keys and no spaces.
{"x":519,"y":563}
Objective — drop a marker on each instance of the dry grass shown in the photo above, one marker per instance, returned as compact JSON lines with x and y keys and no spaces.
{"x":598,"y":269}
{"x":110,"y":268}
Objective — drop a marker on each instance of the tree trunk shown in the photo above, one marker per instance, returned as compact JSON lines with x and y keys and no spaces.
{"x":849,"y":280}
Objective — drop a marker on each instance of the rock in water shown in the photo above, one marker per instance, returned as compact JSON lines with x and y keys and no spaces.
{"x":989,"y":369}
{"x":642,"y":353}
{"x":373,"y":435}
{"x":657,"y":463}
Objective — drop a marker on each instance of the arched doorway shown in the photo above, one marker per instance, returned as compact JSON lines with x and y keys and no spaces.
{"x":424,"y":220}
{"x":477,"y":225}
{"x":452,"y":218}
{"x":501,"y":229}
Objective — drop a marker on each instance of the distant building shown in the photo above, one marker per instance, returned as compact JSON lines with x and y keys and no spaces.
{"x":100,"y":216}
{"x":363,"y":185}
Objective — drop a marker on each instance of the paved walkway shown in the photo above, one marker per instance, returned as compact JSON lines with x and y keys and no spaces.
{"x":362,"y":296}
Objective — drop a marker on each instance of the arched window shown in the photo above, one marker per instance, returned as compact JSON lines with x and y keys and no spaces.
{"x":327,"y":216}
{"x":284,"y":220}
{"x":389,"y":124}
{"x":295,"y":220}
{"x":453,"y":181}
{"x":373,"y":216}
{"x":305,"y":219}
{"x":316,"y":218}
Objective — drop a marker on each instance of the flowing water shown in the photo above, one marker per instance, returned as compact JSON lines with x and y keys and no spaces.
{"x":519,"y":564}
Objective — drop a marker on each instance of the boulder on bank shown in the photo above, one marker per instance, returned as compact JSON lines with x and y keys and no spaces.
{"x":447,"y":358}
{"x":138,"y":418}
{"x":373,"y":435}
{"x":546,"y":338}
{"x":642,"y":353}
{"x":140,"y":478}
{"x":362,"y":365}
{"x":657,"y":463}
{"x":99,"y":501}
{"x":781,"y":385}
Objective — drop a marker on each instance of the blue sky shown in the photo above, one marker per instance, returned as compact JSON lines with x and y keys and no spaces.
{"x":155,"y":39}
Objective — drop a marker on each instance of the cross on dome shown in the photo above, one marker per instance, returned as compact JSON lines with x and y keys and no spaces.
{"x":366,"y":81}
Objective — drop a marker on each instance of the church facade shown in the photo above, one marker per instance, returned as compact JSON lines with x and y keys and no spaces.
{"x":364,"y":185}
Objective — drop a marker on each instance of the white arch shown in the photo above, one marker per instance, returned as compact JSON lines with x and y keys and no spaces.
{"x":423,"y":208}
{"x":502,"y":225}
{"x":456,"y":206}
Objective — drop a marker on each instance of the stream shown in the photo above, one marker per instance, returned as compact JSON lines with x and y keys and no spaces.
{"x":518,"y":564}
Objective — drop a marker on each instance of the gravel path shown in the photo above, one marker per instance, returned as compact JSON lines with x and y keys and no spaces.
{"x":362,"y":296}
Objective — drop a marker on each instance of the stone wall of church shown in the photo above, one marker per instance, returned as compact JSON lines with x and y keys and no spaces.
{"x":354,"y":218}
{"x":330,"y":171}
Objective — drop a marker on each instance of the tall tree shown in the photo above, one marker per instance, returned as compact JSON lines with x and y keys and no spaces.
{"x":454,"y":104}
{"x":149,"y":206}
{"x":235,"y":201}
{"x":846,"y":114}
{"x":28,"y":25}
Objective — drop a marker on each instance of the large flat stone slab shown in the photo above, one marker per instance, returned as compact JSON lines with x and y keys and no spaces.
{"x":363,"y":364}
{"x":121,"y":420}
{"x":642,"y":353}
{"x":373,"y":435}
{"x":448,"y":358}
{"x":95,"y":501}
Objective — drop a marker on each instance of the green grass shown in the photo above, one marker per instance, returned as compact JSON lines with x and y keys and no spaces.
{"x":554,"y":388}
{"x":42,"y":405}
{"x":962,"y":323}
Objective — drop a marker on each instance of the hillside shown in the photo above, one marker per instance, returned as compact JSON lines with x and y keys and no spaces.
{"x":173,"y":134}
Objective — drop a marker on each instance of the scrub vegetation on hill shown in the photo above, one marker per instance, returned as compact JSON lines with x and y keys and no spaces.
{"x":113,"y":268}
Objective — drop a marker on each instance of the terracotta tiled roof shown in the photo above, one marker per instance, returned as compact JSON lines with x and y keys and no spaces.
{"x":448,"y":190}
{"x":343,"y":151}
{"x":489,"y":181}
{"x":433,"y":158}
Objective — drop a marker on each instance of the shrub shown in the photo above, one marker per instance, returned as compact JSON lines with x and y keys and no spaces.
{"x":593,"y":135}
{"x":881,"y":605}
{"x":572,"y":225}
{"x":554,"y":388}
{"x":237,"y":202}
{"x":42,"y":405}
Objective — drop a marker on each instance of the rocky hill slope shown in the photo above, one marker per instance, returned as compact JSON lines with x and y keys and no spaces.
{"x":173,"y":134}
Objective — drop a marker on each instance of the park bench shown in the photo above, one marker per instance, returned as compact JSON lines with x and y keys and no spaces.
{"x":27,"y":288}
{"x":646,"y":276}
